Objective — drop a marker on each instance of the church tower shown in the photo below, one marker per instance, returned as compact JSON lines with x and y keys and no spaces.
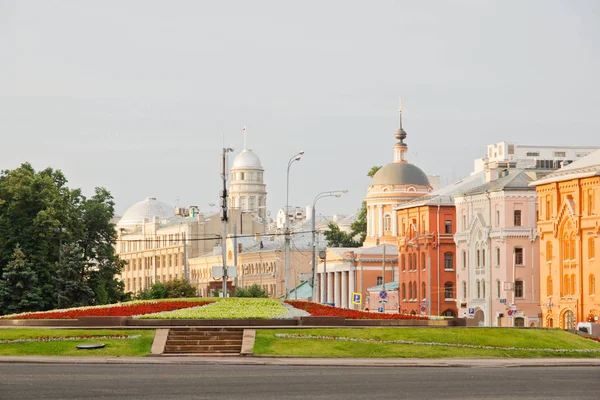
{"x":247,"y":190}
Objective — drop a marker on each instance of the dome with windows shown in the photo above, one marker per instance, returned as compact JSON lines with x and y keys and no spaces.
{"x":145,"y":211}
{"x":400,"y":174}
{"x":246,"y":160}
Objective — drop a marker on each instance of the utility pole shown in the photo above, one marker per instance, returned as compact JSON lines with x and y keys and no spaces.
{"x":224,"y":217}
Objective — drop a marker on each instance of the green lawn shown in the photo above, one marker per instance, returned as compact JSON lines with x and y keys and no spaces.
{"x":229,"y":308}
{"x":268,"y":345}
{"x":114,"y":347}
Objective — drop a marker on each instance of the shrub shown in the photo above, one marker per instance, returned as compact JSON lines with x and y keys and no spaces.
{"x":252,"y":291}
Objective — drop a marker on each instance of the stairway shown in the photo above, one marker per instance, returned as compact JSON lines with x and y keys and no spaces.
{"x":204,"y":341}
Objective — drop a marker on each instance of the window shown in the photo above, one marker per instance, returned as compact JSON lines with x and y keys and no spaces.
{"x":242,"y":176}
{"x":403,"y":262}
{"x":387,"y":223}
{"x":483,"y":288}
{"x":483,"y":257}
{"x":498,"y":288}
{"x":548,"y":251}
{"x":518,"y":255}
{"x":448,"y":262}
{"x":592,"y":285}
{"x":423,"y":263}
{"x":478,"y":259}
{"x":464,"y":289}
{"x":404,"y":291}
{"x":591,"y":248}
{"x":566,"y":285}
{"x":533,"y":154}
{"x":497,"y":256}
{"x":517,"y":217}
{"x":549,"y":287}
{"x":548,"y":208}
{"x":511,"y":149}
{"x":448,"y":226}
{"x":423,"y":291}
{"x":448,"y":291}
{"x":573,"y":286}
{"x":464,"y":222}
{"x":478,"y":289}
{"x":519,"y":289}
{"x":410,"y":262}
{"x":497,"y":218}
{"x":380,"y":280}
{"x":560,"y":154}
{"x":590,"y":200}
{"x":410,"y":291}
{"x":464,"y":259}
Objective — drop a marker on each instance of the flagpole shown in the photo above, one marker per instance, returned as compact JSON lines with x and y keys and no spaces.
{"x":245,"y":136}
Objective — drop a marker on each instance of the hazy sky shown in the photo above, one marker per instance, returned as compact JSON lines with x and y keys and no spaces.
{"x":135,"y":96}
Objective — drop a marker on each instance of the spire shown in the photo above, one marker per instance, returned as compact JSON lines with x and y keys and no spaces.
{"x":400,"y":148}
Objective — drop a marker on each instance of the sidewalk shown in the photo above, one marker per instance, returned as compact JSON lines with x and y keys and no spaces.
{"x":323,"y":362}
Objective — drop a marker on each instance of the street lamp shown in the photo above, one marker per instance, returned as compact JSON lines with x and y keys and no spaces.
{"x":295,"y":157}
{"x":334,"y":193}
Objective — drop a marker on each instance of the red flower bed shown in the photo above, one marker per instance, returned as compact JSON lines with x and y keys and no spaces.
{"x":321,"y":310}
{"x":123,"y":310}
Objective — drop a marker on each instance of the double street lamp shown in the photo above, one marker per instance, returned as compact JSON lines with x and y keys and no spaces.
{"x":334,"y":193}
{"x":295,"y":157}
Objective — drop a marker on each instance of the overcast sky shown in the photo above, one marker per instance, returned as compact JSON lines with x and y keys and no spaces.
{"x":136,"y":96}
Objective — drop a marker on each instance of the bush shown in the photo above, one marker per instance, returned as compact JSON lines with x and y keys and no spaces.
{"x":175,"y":289}
{"x":252,"y":291}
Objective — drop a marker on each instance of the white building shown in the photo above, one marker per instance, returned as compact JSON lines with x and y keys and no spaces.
{"x":510,"y":154}
{"x":247,"y":190}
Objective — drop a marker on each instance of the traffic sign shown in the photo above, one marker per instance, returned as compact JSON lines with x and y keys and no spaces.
{"x":510,"y":312}
{"x":356,"y":298}
{"x":383,"y":294}
{"x":380,"y":309}
{"x":425,"y":303}
{"x":471,"y":311}
{"x":503,"y":301}
{"x":422,"y":308}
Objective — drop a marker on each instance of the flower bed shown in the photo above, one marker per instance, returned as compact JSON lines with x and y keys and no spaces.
{"x":120,"y":310}
{"x":321,"y":310}
{"x":231,"y":308}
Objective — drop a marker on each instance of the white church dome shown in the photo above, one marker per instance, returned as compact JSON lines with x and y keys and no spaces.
{"x":246,"y":159}
{"x":146,"y":210}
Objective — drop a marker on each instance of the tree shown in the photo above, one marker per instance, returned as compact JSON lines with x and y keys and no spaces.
{"x":252,"y":291}
{"x":178,"y":288}
{"x":373,"y":170}
{"x":72,"y":285}
{"x":336,"y":238}
{"x":19,"y":291}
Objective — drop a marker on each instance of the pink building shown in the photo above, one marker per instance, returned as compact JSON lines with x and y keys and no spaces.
{"x":497,"y":253}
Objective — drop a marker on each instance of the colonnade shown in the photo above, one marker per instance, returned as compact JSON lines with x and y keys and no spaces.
{"x":338,"y":287}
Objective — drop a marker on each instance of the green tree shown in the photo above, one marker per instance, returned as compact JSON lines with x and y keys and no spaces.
{"x":72,"y":285}
{"x":337,"y":238}
{"x":252,"y":291}
{"x":373,"y":170}
{"x":19,"y":291}
{"x":158,"y":291}
{"x":178,"y":288}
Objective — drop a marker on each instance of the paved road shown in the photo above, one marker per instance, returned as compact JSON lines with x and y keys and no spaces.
{"x":48,"y":381}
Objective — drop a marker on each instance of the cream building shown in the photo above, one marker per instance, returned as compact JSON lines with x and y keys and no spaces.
{"x":247,"y":190}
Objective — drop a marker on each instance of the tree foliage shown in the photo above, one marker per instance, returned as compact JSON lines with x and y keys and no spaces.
{"x":174,"y":289}
{"x":72,"y":284}
{"x":251,"y":291}
{"x":19,"y":291}
{"x":39,"y":211}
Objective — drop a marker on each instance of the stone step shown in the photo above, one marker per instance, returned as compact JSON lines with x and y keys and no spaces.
{"x":206,"y":329}
{"x":203,"y":342}
{"x":216,"y":348}
{"x":202,"y":337}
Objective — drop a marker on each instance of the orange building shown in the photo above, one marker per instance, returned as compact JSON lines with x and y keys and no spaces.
{"x":569,"y":227}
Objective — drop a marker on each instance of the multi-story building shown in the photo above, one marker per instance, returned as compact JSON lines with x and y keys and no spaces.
{"x":247,"y":190}
{"x":512,"y":155}
{"x":497,"y":248}
{"x":569,"y":227}
{"x":427,"y":252}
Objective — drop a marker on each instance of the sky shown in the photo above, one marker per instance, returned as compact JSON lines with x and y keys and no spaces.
{"x":140,"y":96}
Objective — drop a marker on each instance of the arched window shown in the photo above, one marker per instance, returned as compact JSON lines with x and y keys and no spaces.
{"x":548,"y":251}
{"x":478,"y":289}
{"x":566,"y":285}
{"x":404,"y":291}
{"x":423,"y":262}
{"x":448,"y":291}
{"x":387,"y":223}
{"x":464,"y":290}
{"x":403,"y":262}
{"x":498,"y":288}
{"x":410,"y":259}
{"x":549,"y":288}
{"x":573,"y":286}
{"x":423,"y":291}
{"x":410,"y":291}
{"x":592,"y":284}
{"x":448,"y":262}
{"x":483,"y":288}
{"x":449,"y":313}
{"x":591,"y":248}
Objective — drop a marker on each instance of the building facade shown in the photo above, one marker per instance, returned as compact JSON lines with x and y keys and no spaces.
{"x":569,"y":227}
{"x":497,"y":248}
{"x":247,"y":190}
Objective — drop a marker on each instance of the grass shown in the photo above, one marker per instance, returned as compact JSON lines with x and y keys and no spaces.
{"x":114,"y":347}
{"x":229,"y":308}
{"x":268,"y":345}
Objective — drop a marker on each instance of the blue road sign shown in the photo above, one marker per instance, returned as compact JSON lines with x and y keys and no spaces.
{"x":471,"y":311}
{"x":422,"y":308}
{"x":383,"y":294}
{"x":356,"y":298}
{"x":503,"y":301}
{"x":425,"y":303}
{"x":380,"y":309}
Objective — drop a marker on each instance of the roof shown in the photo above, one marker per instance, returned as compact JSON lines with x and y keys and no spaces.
{"x":517,"y":179}
{"x":301,"y":292}
{"x":400,"y":174}
{"x":246,"y":160}
{"x":146,"y":210}
{"x":388,"y":286}
{"x":443,"y":196}
{"x":377,"y":250}
{"x":585,"y":167}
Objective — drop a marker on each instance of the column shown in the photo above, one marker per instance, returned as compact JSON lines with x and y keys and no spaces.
{"x":394,"y":223}
{"x":351,"y":288}
{"x":330,"y":287}
{"x":320,"y":297}
{"x":368,"y":221}
{"x":380,"y":220}
{"x":372,"y":222}
{"x":336,"y":289}
{"x":344,"y":289}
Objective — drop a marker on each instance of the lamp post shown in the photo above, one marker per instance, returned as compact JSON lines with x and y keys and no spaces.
{"x":323,"y":256}
{"x":334,"y":193}
{"x":295,"y":157}
{"x":224,"y":217}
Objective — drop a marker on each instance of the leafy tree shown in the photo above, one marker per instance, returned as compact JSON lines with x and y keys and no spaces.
{"x":178,"y":288}
{"x":373,"y":170}
{"x":158,"y":291}
{"x":19,"y":291}
{"x":72,"y":285}
{"x":251,"y":291}
{"x":336,"y":238}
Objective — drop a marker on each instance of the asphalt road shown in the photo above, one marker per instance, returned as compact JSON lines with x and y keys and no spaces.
{"x":216,"y":382}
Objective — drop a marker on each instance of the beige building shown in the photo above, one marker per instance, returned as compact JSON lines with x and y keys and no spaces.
{"x":157,"y":240}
